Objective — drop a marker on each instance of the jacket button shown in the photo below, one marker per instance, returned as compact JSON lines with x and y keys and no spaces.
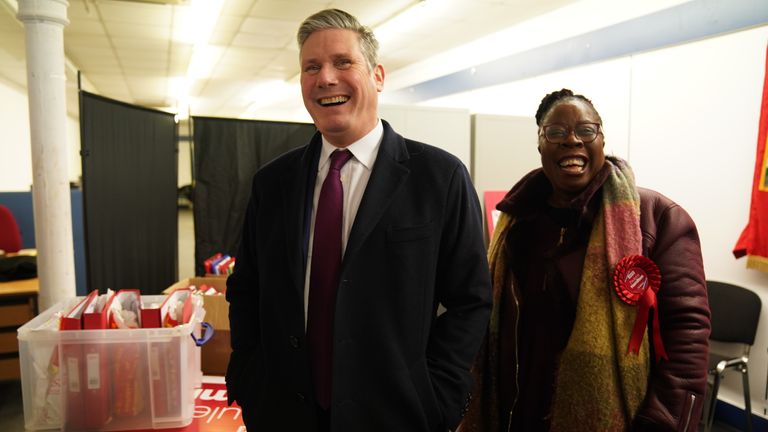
{"x":294,"y":341}
{"x":301,"y":396}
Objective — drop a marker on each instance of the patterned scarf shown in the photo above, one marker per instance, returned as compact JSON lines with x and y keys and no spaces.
{"x":599,"y":386}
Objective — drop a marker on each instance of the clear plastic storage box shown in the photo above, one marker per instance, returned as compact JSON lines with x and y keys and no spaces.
{"x":111,"y":379}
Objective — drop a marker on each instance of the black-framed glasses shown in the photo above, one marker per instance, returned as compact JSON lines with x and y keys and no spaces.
{"x":558,"y":134}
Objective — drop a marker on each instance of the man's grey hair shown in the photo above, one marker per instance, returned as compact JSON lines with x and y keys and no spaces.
{"x":338,"y":19}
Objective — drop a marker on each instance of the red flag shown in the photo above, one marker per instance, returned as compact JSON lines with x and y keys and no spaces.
{"x":753,"y":241}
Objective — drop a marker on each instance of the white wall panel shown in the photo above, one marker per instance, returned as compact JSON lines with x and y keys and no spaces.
{"x":447,"y":128}
{"x":15,"y":147}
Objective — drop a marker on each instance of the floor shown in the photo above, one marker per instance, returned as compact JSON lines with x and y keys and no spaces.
{"x":11,"y":407}
{"x":12,"y":415}
{"x":186,"y":244}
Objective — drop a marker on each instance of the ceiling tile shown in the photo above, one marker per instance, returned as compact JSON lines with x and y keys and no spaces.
{"x":136,"y":13}
{"x":261,"y":41}
{"x":236,"y":57}
{"x":86,"y":42}
{"x":286,"y":10}
{"x":121,"y":29}
{"x":373,"y":12}
{"x":79,"y":9}
{"x":89,"y":27}
{"x":226,"y":28}
{"x":268,"y":26}
{"x":237,"y":7}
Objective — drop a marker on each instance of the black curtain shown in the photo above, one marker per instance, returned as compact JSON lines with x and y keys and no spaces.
{"x":227,"y":153}
{"x":129,"y":195}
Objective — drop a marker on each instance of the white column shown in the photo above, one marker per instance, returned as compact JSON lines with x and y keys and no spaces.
{"x":44,"y":21}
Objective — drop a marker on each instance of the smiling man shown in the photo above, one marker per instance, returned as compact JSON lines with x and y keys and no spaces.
{"x":349,"y":246}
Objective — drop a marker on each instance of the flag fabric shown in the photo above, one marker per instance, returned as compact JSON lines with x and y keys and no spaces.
{"x":753,"y":241}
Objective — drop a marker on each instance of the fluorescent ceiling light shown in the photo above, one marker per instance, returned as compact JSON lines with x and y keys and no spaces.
{"x":204,"y":58}
{"x":196,"y":21}
{"x":406,"y":20}
{"x":195,"y":25}
{"x":178,"y":87}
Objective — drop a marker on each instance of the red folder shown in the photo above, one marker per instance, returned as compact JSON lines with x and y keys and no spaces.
{"x":155,"y":316}
{"x":95,"y":312}
{"x":97,"y":395}
{"x":128,"y":370}
{"x":72,"y":361}
{"x":187,"y":309}
{"x":152,"y":315}
{"x":164,"y":357}
{"x":73,"y":320}
{"x":208,"y":263}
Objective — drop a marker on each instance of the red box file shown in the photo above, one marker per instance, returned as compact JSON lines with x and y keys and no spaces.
{"x":164,"y":358}
{"x":73,"y":365}
{"x":97,"y":391}
{"x":73,"y":320}
{"x":127,"y":368}
{"x":155,"y":316}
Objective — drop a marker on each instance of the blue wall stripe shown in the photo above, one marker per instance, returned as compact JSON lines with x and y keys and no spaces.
{"x":20,"y":204}
{"x":680,"y":24}
{"x":735,"y":417}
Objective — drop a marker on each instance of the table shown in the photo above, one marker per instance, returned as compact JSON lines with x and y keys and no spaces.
{"x":18,"y":304}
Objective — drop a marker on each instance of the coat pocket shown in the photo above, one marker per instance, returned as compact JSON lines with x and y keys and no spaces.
{"x":426,"y":393}
{"x":409,"y":233}
{"x":243,"y":373}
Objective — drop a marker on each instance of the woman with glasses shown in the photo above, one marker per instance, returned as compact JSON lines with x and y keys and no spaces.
{"x":600,"y":319}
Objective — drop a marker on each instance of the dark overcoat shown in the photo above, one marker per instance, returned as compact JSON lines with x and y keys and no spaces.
{"x":416,"y":243}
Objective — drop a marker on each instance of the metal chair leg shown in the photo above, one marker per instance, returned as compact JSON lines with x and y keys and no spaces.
{"x":710,"y":419}
{"x":747,"y":397}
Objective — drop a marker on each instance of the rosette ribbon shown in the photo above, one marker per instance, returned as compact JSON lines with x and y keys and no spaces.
{"x":636,"y":280}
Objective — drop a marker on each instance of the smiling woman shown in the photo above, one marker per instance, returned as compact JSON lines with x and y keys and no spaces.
{"x":575,"y":258}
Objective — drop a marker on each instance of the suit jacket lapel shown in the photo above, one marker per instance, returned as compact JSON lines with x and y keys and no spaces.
{"x":389,"y":174}
{"x":297,"y":189}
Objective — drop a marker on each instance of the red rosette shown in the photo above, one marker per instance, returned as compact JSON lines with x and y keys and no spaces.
{"x":633,"y":275}
{"x":636,"y":280}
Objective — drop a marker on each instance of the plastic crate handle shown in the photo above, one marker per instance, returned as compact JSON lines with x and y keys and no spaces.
{"x":207,"y":334}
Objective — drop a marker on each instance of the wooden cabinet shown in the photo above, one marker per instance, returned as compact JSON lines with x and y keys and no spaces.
{"x":18,"y":304}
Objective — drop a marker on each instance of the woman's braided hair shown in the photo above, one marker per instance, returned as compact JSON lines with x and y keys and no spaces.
{"x":554,"y":98}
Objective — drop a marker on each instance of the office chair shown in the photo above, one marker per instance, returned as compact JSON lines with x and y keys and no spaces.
{"x":10,"y":236}
{"x":735,"y":314}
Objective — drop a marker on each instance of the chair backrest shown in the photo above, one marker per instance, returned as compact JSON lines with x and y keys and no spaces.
{"x":735,"y":312}
{"x":10,"y":236}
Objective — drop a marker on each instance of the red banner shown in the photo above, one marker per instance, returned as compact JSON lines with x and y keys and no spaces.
{"x":753,"y":241}
{"x":211,"y":412}
{"x":490,"y":199}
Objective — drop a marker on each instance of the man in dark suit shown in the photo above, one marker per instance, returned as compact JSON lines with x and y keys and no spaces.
{"x":334,"y":319}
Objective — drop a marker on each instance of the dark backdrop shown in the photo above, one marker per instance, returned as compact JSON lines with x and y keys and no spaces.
{"x":227,"y":153}
{"x":129,"y":195}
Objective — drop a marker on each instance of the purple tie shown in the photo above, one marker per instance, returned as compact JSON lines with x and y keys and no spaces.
{"x":324,"y":277}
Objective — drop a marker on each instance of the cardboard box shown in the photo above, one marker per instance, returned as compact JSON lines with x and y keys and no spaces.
{"x":216,"y":306}
{"x":215,"y":353}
